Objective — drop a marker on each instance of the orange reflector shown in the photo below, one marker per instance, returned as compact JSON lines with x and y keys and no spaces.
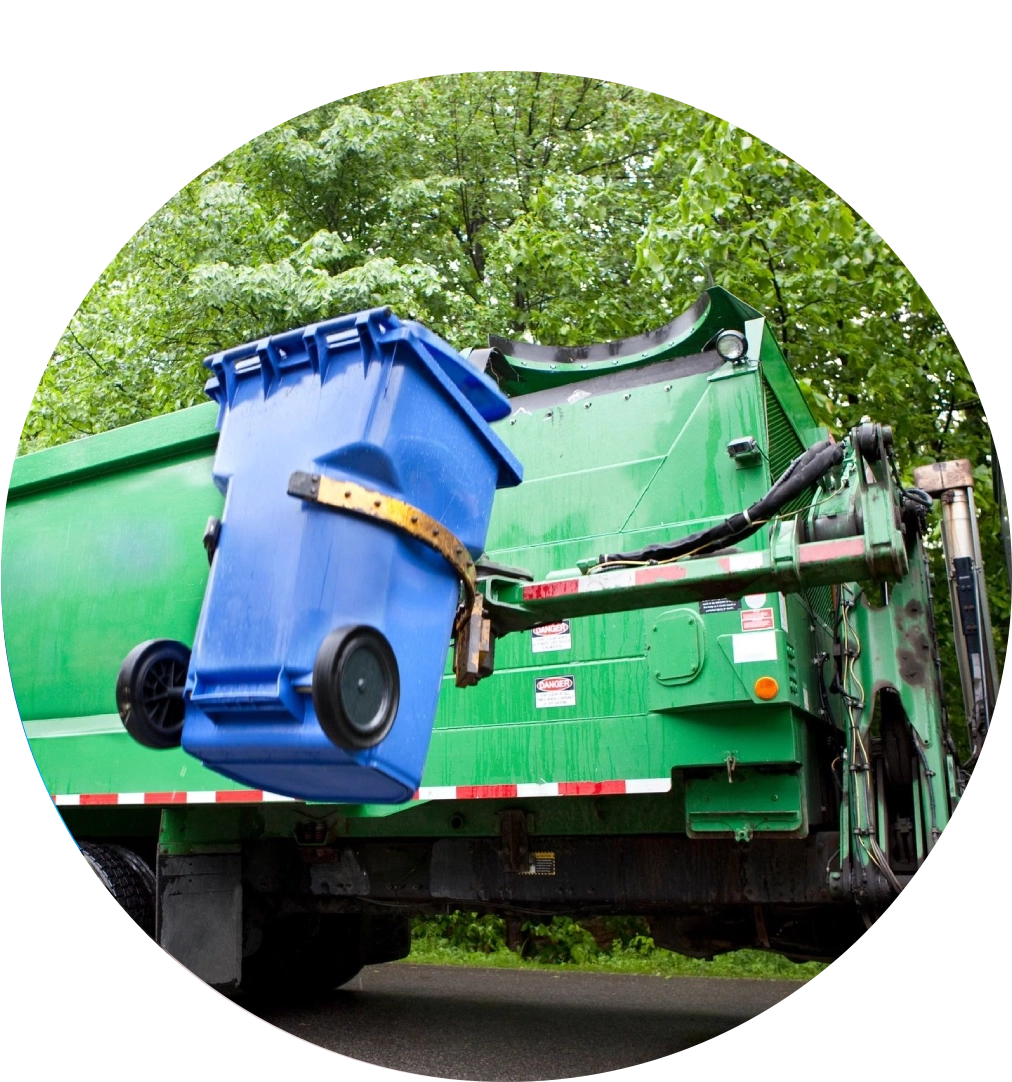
{"x":766,"y":687}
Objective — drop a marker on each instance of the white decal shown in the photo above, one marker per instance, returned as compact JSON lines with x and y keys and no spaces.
{"x":744,"y":561}
{"x":606,"y":580}
{"x":754,"y":601}
{"x":754,"y":646}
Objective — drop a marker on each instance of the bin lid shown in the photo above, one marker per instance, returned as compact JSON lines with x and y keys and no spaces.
{"x":372,"y":332}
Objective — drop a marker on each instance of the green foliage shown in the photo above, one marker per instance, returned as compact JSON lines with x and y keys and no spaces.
{"x":610,"y":945}
{"x":561,"y":940}
{"x":553,"y":208}
{"x":459,"y":931}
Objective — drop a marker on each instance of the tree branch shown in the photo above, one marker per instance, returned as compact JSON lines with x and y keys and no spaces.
{"x":84,"y":349}
{"x":939,"y":444}
{"x":781,"y":305}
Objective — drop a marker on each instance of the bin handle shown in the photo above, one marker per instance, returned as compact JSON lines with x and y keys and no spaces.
{"x":359,"y":500}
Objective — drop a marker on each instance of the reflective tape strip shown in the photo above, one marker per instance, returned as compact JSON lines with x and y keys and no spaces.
{"x":430,"y":792}
{"x":549,"y":788}
{"x":648,"y":785}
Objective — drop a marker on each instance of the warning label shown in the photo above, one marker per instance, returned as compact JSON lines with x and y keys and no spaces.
{"x":719,"y":604}
{"x":757,"y":619}
{"x":555,"y":691}
{"x":541,"y":864}
{"x":552,"y":637}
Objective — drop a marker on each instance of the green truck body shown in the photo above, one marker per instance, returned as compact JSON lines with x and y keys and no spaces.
{"x":702,"y":757}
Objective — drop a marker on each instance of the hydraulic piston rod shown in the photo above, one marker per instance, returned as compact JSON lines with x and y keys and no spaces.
{"x":953,"y":483}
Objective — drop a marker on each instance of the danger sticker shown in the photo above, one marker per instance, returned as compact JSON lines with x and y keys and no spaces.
{"x":757,"y":619}
{"x":554,"y":691}
{"x":552,"y":637}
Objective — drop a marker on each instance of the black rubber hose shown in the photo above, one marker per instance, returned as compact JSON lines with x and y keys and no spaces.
{"x":809,"y":467}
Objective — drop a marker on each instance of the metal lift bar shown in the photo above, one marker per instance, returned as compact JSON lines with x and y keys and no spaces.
{"x":797,"y":558}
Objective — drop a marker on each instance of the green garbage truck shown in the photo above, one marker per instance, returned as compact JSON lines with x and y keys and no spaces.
{"x":694,"y":676}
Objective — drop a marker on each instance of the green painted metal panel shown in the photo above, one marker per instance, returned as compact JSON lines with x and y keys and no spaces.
{"x":102,"y":549}
{"x":95,"y":566}
{"x":113,"y":762}
{"x":582,"y":749}
{"x":751,"y":803}
{"x":169,"y":436}
{"x":785,"y":389}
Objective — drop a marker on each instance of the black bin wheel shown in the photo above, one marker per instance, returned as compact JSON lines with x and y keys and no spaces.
{"x":149,"y":692}
{"x":356,"y":687}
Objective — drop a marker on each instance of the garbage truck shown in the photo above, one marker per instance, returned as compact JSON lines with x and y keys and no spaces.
{"x":311,"y":659}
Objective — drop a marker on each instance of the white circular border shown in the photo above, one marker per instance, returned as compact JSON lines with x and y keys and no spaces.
{"x":448,"y":33}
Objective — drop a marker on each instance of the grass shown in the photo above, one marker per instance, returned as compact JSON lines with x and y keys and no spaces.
{"x":564,"y":946}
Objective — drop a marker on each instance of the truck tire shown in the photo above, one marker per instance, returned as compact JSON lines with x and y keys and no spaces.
{"x":127,"y":878}
{"x":385,"y":938}
{"x":303,"y":955}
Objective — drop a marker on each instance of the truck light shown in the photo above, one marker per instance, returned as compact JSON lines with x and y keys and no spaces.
{"x":766,"y":688}
{"x":731,"y":345}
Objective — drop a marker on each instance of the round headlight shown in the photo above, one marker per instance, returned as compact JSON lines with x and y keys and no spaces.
{"x":731,"y":345}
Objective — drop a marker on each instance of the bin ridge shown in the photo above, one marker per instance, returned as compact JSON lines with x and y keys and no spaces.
{"x":371,"y":335}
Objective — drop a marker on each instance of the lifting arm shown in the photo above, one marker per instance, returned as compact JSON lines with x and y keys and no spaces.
{"x":859,"y":534}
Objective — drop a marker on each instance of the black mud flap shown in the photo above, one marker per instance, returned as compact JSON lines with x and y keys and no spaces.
{"x":200,"y":915}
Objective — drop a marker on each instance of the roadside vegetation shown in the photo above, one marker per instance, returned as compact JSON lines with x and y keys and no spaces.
{"x":602,"y":945}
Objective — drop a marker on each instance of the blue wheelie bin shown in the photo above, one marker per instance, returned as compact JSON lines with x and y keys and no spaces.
{"x":323,"y":636}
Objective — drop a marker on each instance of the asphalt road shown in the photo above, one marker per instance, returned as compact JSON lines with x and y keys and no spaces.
{"x":516,"y":1025}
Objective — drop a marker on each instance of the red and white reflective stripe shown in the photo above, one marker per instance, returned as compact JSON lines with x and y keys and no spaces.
{"x":430,"y":792}
{"x":549,"y":788}
{"x":211,"y":796}
{"x":607,"y":580}
{"x":819,"y":551}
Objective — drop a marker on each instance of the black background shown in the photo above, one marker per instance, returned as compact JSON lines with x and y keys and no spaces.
{"x":92,"y":992}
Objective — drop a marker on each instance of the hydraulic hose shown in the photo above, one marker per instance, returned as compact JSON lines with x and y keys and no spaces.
{"x":809,"y":467}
